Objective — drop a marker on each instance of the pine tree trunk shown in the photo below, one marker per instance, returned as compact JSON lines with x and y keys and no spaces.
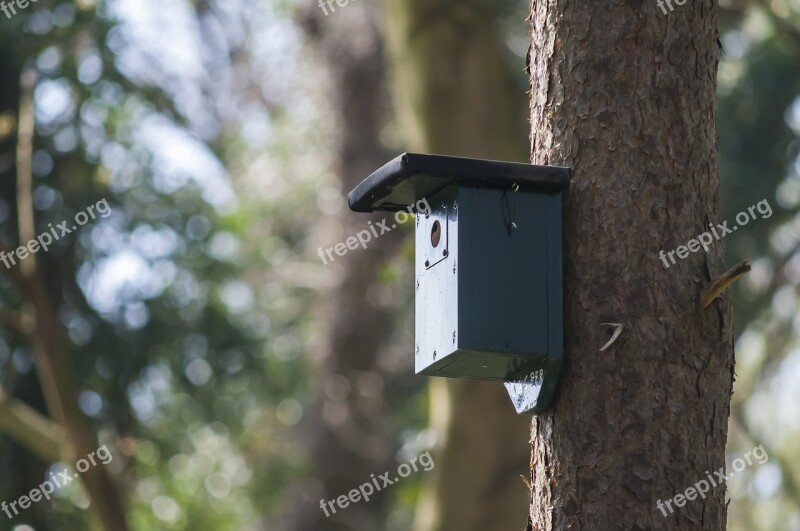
{"x":625,"y":95}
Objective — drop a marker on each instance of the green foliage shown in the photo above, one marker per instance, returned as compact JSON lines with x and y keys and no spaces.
{"x":188,"y":354}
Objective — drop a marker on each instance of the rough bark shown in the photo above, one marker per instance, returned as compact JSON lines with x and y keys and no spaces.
{"x":625,"y":95}
{"x":456,"y":94}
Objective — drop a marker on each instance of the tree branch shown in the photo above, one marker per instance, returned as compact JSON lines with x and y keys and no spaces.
{"x":25,"y":129}
{"x":31,"y":429}
{"x":47,"y":343}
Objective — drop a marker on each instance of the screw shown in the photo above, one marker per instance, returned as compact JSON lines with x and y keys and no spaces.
{"x":427,"y":263}
{"x":454,"y":337}
{"x":417,"y":283}
{"x":444,"y":253}
{"x":434,"y":354}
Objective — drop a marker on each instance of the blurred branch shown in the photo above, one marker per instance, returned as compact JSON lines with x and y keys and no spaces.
{"x":31,"y":429}
{"x":46,"y":340}
{"x":61,"y":396}
{"x":25,"y":129}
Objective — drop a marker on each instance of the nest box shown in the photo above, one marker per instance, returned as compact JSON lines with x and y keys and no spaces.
{"x":488,"y":267}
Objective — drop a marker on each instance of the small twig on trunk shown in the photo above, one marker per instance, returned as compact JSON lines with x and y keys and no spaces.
{"x":723,"y":282}
{"x":618,"y":328}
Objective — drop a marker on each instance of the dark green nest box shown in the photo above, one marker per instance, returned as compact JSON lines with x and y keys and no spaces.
{"x":488,"y":267}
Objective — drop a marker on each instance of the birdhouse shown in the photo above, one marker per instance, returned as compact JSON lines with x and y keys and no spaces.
{"x":488,"y":273}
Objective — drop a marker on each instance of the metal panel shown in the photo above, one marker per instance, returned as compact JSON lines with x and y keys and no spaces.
{"x":482,"y":310}
{"x":503,"y":283}
{"x":534,"y":388}
{"x":436,"y":301}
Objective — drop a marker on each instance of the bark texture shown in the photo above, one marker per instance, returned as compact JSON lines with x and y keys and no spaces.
{"x":456,"y":94}
{"x":625,"y":95}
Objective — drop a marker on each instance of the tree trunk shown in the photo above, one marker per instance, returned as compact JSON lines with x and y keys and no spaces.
{"x":625,"y":95}
{"x":456,"y":95}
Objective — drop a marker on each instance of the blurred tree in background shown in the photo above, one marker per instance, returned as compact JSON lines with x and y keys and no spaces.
{"x":459,"y":89}
{"x":759,"y":131}
{"x":228,"y":370}
{"x":185,"y":348}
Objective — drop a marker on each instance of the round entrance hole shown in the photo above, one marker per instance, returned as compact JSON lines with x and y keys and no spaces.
{"x":436,"y":233}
